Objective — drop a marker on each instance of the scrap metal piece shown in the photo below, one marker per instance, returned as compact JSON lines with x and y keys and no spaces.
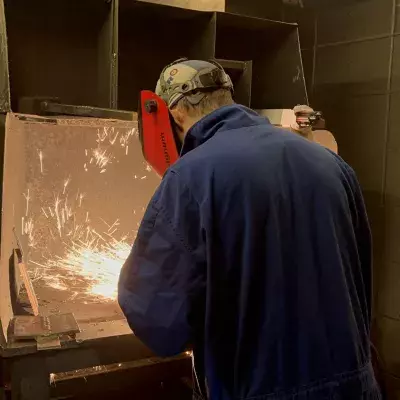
{"x":48,"y":343}
{"x":5,"y":102}
{"x":25,"y":277}
{"x":28,"y":327}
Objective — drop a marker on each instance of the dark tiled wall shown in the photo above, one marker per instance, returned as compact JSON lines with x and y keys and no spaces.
{"x":270,"y":9}
{"x":353,"y":73}
{"x":351,"y":58}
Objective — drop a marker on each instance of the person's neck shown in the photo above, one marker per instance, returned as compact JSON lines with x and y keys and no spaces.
{"x":225,"y":118}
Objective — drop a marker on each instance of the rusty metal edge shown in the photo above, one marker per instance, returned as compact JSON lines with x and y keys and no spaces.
{"x":5,"y":103}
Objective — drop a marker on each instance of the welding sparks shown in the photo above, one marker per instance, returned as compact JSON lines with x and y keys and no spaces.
{"x":124,"y":138}
{"x":102,"y":158}
{"x":112,"y":141}
{"x":90,"y":260}
{"x":44,"y":212}
{"x":40,"y":153}
{"x":81,"y":197}
{"x":57,"y":214}
{"x":27,"y":198}
{"x":27,"y":229}
{"x":94,"y":263}
{"x":102,"y":135}
{"x":66,"y":183}
{"x":107,"y":137}
{"x":79,"y":256}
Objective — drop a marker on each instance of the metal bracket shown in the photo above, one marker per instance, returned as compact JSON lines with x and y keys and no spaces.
{"x":52,"y":106}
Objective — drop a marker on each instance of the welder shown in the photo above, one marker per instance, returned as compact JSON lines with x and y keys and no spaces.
{"x":255,"y":253}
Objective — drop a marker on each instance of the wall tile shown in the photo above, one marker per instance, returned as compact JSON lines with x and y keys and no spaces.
{"x":358,"y":124}
{"x":390,"y":385}
{"x":397,"y":26}
{"x":353,"y":69}
{"x":388,"y":334}
{"x":392,"y":188}
{"x":354,"y":21}
{"x":270,"y":9}
{"x":392,"y":233}
{"x":396,"y":64}
{"x":306,"y":20}
{"x":376,"y":216}
{"x":388,"y":289}
{"x":394,"y":122}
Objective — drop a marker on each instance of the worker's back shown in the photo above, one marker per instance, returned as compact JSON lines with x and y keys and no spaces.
{"x":288,"y":263}
{"x":276,"y":230}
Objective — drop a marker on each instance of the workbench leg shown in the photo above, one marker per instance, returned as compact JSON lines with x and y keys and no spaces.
{"x":30,"y":379}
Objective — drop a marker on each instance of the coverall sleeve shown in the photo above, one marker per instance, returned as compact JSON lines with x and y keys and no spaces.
{"x":162,"y":282}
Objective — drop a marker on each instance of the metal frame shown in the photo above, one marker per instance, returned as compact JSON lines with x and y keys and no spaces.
{"x":4,"y":76}
{"x":241,"y":75}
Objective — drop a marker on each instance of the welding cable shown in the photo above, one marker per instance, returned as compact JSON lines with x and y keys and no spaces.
{"x":195,"y":377}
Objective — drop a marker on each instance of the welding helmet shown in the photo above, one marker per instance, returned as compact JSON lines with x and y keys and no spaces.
{"x":191,"y":79}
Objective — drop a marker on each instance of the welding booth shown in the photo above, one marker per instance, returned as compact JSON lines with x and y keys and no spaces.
{"x":74,"y":182}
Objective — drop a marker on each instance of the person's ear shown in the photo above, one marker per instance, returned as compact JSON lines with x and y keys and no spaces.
{"x":180,"y":122}
{"x":178,"y":116}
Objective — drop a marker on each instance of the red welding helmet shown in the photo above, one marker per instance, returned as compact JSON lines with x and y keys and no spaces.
{"x":182,"y":78}
{"x":160,"y":145}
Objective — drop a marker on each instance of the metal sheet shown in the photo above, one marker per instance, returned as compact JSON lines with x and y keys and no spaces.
{"x":14,"y":173}
{"x":28,"y":327}
{"x":64,"y":179}
{"x":4,"y":77}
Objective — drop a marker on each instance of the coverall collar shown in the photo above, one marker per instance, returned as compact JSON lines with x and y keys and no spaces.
{"x":225,"y":118}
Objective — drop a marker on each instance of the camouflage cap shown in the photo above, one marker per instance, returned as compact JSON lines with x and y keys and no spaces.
{"x":191,"y":79}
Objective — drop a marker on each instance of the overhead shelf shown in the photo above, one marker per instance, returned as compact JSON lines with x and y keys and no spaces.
{"x":102,"y":53}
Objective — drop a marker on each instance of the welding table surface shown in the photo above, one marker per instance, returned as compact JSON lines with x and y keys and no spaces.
{"x":105,"y":339}
{"x":98,"y":345}
{"x":96,"y":320}
{"x":52,"y":301}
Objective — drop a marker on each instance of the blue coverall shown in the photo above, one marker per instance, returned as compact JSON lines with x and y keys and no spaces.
{"x":255,"y":252}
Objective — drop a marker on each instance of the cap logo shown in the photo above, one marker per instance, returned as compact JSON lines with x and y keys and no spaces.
{"x":173,"y":72}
